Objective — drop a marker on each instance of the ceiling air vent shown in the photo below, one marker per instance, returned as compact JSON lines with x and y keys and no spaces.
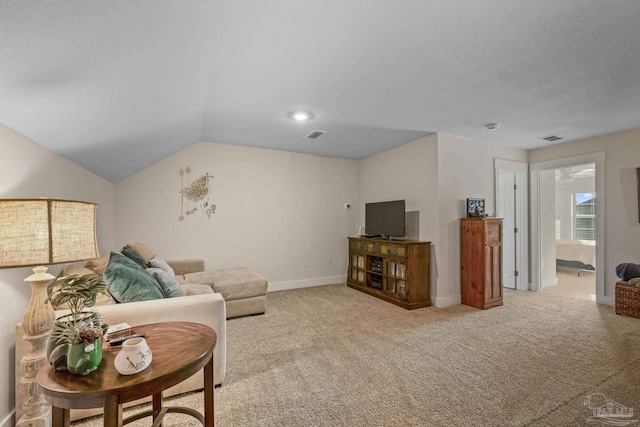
{"x":551,"y":138}
{"x":315,"y":134}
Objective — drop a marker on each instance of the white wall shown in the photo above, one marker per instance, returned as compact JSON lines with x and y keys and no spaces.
{"x":436,"y":175}
{"x":29,"y":170}
{"x":274,"y":210}
{"x":465,"y":169}
{"x":622,"y":157}
{"x":408,"y":172}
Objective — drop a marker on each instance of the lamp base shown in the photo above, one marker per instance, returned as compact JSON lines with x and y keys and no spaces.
{"x":36,"y":323}
{"x":40,"y":420}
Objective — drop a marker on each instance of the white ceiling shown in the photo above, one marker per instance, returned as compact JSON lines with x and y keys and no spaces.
{"x":117,"y":85}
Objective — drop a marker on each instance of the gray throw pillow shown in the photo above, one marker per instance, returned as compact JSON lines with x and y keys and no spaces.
{"x":170,"y":286}
{"x":161,"y":264}
{"x":128,"y":282}
{"x":627,"y":271}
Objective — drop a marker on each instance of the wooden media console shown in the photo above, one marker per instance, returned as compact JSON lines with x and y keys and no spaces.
{"x":396,"y":271}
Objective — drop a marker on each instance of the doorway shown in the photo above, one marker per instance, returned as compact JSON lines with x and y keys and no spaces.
{"x":543,"y":221}
{"x":575,"y":233}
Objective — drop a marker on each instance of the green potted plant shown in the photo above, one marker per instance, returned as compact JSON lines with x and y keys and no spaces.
{"x":75,"y":343}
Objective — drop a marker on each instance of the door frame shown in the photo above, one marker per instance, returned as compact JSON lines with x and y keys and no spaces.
{"x":536,"y":266}
{"x":522,"y":247}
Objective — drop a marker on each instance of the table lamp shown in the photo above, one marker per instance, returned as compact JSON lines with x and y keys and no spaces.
{"x":39,"y":232}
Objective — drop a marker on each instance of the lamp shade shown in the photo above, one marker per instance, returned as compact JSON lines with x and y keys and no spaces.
{"x":43,"y":231}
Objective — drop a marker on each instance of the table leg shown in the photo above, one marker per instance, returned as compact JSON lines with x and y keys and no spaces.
{"x":112,"y":412}
{"x":157,"y":406}
{"x":209,"y":420}
{"x":60,"y":417}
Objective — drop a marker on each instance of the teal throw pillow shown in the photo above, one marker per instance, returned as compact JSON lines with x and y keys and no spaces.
{"x":128,"y":282}
{"x":134,"y":255}
{"x":170,"y":285}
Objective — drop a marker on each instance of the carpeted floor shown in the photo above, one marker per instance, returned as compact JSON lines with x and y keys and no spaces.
{"x":572,"y":283}
{"x":333,"y":356}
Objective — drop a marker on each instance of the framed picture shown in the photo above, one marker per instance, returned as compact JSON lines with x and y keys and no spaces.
{"x":475,"y":208}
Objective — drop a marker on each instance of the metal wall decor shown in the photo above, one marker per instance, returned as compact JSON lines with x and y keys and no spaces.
{"x":195,"y":195}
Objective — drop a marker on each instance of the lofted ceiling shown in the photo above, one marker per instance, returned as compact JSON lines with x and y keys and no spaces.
{"x":117,"y":85}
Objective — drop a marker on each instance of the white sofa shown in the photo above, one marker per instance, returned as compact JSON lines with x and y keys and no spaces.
{"x":200,"y":305}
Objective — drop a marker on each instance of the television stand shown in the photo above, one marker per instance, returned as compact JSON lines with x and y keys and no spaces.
{"x":387,"y":238}
{"x":396,"y":271}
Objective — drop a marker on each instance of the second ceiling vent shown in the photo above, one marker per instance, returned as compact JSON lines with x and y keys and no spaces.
{"x":315,"y":134}
{"x":552,"y":138}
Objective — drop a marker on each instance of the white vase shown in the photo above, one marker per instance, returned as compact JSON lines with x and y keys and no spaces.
{"x":134,"y":357}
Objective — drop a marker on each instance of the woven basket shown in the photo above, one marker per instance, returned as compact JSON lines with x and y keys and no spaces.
{"x":627,"y":299}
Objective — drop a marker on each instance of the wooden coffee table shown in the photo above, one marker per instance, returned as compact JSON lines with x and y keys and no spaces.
{"x":179,"y":350}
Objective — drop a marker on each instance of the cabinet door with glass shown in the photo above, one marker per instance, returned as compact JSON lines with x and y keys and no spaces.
{"x":395,"y":275}
{"x":357,"y":268}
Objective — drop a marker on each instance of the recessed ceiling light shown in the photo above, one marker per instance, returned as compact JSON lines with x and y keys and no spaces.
{"x":492,"y":126}
{"x":300,"y":116}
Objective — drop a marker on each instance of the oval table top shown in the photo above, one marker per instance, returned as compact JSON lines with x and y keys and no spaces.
{"x":178,"y":349}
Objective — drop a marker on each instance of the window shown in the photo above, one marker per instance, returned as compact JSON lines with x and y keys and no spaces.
{"x":585,"y":216}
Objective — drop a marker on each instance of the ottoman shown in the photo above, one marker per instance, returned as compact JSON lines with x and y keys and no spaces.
{"x":244,"y":291}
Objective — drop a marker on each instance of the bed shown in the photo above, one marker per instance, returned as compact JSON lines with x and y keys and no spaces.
{"x":578,"y":254}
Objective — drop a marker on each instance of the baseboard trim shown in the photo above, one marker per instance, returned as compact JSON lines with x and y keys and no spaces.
{"x":306,"y":283}
{"x":611,"y":301}
{"x":9,"y":420}
{"x":447,"y":301}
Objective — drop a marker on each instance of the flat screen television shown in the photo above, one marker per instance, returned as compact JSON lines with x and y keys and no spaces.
{"x":384,"y":219}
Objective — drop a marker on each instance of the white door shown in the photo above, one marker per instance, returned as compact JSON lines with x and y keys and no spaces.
{"x":511,"y":205}
{"x":507,"y":209}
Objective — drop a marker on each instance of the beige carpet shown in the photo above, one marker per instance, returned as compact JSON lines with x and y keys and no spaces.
{"x":332,"y":356}
{"x":576,"y":284}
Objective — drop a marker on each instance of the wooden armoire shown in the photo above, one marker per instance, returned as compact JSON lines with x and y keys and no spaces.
{"x":481,"y":262}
